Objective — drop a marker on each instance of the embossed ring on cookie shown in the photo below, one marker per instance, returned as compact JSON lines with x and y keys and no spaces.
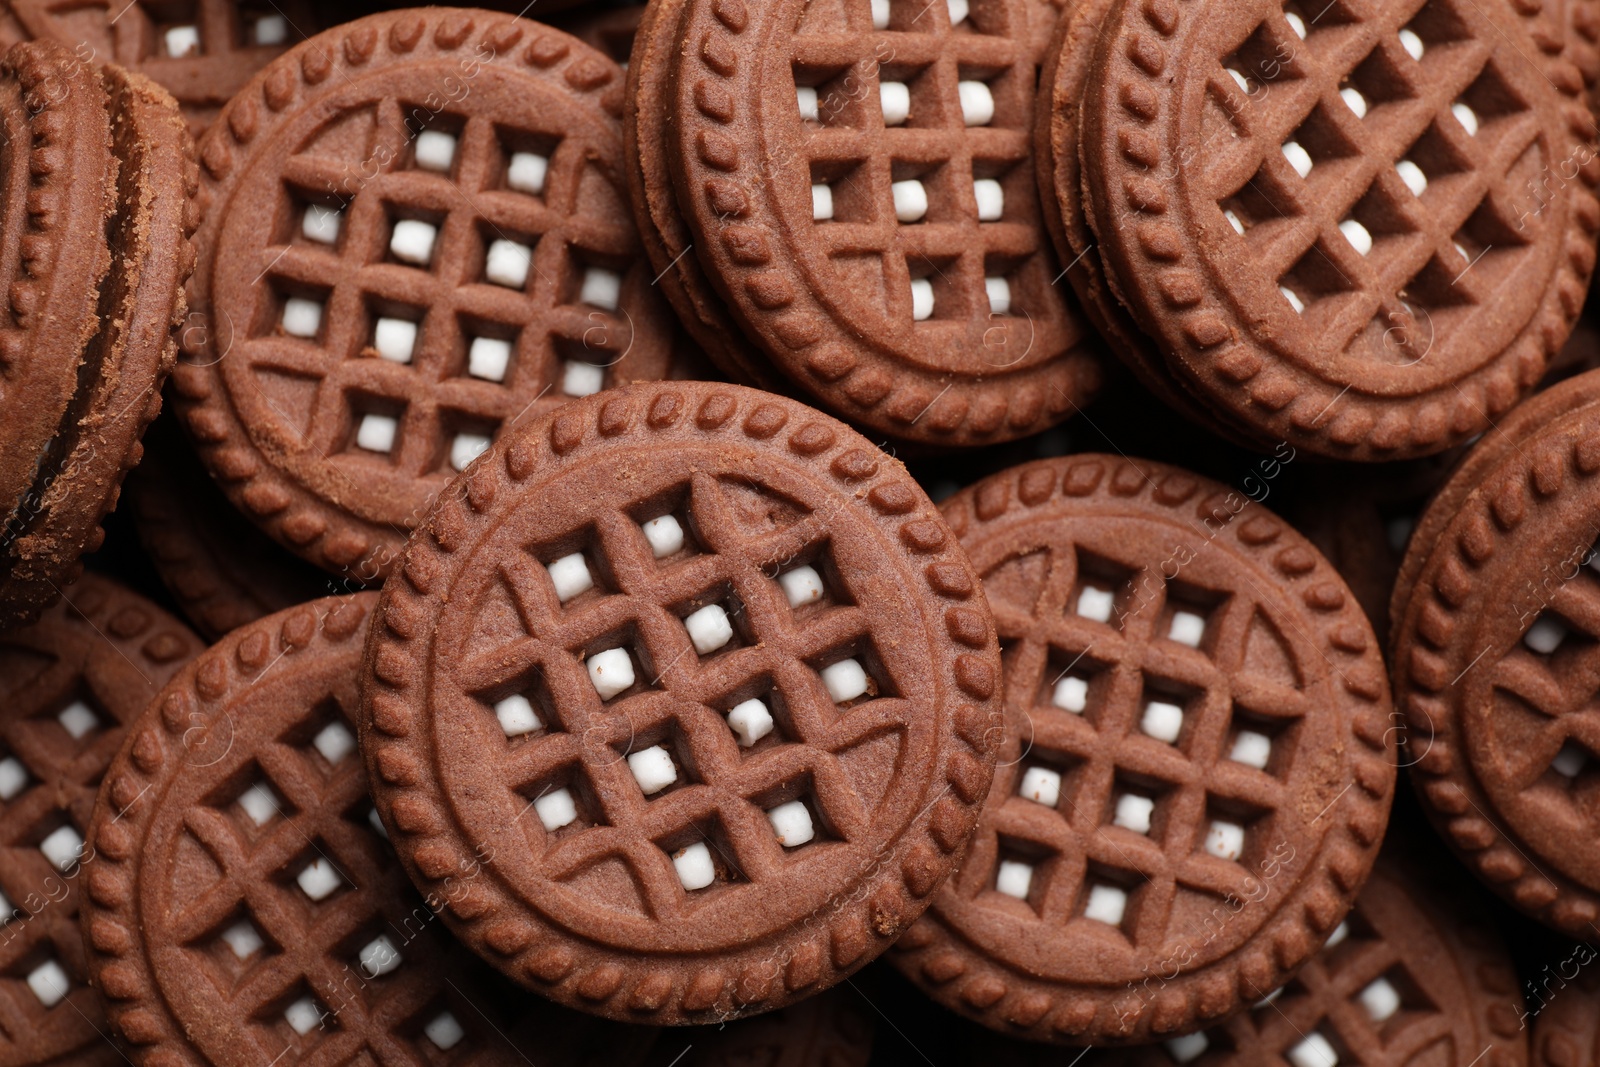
{"x":200,"y":51}
{"x":415,"y":236}
{"x":1495,"y":660}
{"x":1197,"y":765}
{"x":244,"y":907}
{"x":859,"y":184}
{"x":1414,"y":974}
{"x":71,"y":684}
{"x":716,"y":678}
{"x":1364,"y":228}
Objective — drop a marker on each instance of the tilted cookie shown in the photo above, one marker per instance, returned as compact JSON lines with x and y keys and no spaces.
{"x":415,"y":235}
{"x":715,"y":676}
{"x":244,"y":907}
{"x":1494,"y":651}
{"x":1197,"y":766}
{"x":96,"y":235}
{"x":857,"y":181}
{"x":1362,"y":228}
{"x":71,"y":685}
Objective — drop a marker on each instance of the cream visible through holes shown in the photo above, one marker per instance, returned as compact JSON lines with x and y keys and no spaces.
{"x":514,"y":303}
{"x":1180,"y":759}
{"x":1345,"y":255}
{"x":916,"y":221}
{"x":724,"y":572}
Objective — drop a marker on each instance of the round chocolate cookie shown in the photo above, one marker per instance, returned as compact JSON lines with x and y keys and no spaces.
{"x":716,"y":676}
{"x":244,"y":907}
{"x":1415,"y":974}
{"x":1336,"y":223}
{"x":202,"y":53}
{"x":1197,"y":764}
{"x":859,"y":185}
{"x":222,"y":571}
{"x":415,"y":236}
{"x":609,"y":29}
{"x":70,"y":684}
{"x":1494,"y":653}
{"x":100,"y":204}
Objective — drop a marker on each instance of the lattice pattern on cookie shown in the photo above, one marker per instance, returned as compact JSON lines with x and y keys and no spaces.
{"x":1540,"y":685}
{"x":1357,"y":155}
{"x":916,"y":135}
{"x":1357,"y":1001}
{"x":475,"y":278}
{"x":1156,"y":739}
{"x":297,"y":862}
{"x":704,"y":667}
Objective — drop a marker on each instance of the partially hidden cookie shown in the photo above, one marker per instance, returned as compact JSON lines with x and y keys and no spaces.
{"x":858,"y":183}
{"x":1197,"y":765}
{"x":717,"y":676}
{"x":1416,"y":973}
{"x":245,"y":907}
{"x":71,"y":684}
{"x":222,"y":571}
{"x":389,"y":276}
{"x":202,"y":53}
{"x":100,"y":207}
{"x":1335,"y":223}
{"x":1493,"y":653}
{"x":610,"y":29}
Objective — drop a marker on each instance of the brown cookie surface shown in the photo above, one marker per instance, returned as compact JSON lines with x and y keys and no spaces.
{"x":715,"y":675}
{"x":1413,"y":975}
{"x":1336,"y":236}
{"x":1566,"y":1030}
{"x":433,"y":271}
{"x":1197,"y":766}
{"x":221,"y":569}
{"x":1494,"y":650}
{"x":70,"y":684}
{"x":125,"y":363}
{"x":246,"y":907}
{"x":202,"y":53}
{"x":57,"y":150}
{"x":860,"y":186}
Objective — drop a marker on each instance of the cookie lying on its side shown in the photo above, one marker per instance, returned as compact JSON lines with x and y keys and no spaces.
{"x":99,"y":172}
{"x":71,"y":684}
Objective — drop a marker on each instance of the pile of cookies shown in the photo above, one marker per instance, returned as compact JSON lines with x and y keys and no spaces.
{"x":634,"y":550}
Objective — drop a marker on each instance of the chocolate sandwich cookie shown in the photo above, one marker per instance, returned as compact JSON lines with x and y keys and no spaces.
{"x":1332,"y":222}
{"x":662,"y":227}
{"x":1197,"y":765}
{"x":858,"y":183}
{"x":202,"y":53}
{"x":832,"y":1029}
{"x":70,"y":684}
{"x":716,"y":676}
{"x":1493,"y":659}
{"x":101,"y":172}
{"x":415,"y":236}
{"x":1417,"y":973}
{"x":243,"y":906}
{"x":222,"y":571}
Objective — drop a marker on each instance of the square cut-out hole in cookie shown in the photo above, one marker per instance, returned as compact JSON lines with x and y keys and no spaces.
{"x":375,"y":426}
